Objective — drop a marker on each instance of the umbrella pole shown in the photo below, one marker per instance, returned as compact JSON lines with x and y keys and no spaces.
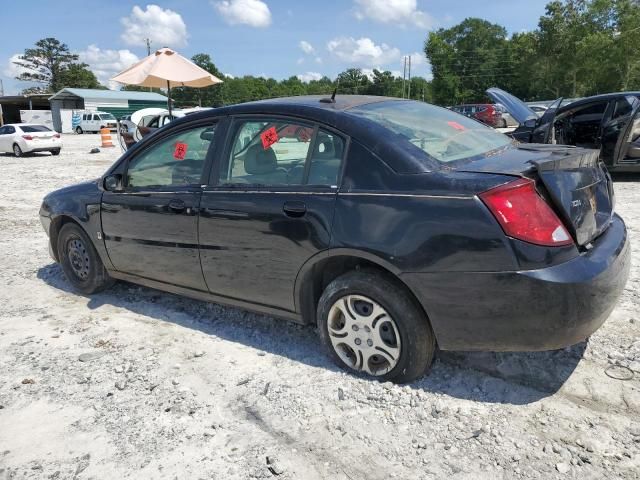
{"x":169,"y":96}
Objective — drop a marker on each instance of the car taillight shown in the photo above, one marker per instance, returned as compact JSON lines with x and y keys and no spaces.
{"x":524,"y":214}
{"x":27,"y":137}
{"x":56,"y":135}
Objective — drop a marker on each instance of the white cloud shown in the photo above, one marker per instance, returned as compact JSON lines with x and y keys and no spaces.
{"x":254,"y":13}
{"x":369,"y":72}
{"x":300,"y":61}
{"x":306,"y":47}
{"x":164,"y":27}
{"x":11,"y":69}
{"x":307,"y":77}
{"x":106,"y":63}
{"x":362,"y":51}
{"x":228,"y":75}
{"x":401,"y":12}
{"x":318,"y":60}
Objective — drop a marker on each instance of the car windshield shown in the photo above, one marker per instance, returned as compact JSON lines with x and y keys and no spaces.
{"x":107,"y":116}
{"x":34,"y":128}
{"x":441,"y":133}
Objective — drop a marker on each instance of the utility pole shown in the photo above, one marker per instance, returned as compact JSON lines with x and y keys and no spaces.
{"x":409,"y":92}
{"x":404,"y":74}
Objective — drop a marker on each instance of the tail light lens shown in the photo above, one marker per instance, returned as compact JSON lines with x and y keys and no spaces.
{"x":56,"y":135}
{"x":27,"y":137}
{"x":524,"y":214}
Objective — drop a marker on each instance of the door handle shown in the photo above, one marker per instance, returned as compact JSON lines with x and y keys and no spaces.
{"x":177,"y":206}
{"x":294,"y":209}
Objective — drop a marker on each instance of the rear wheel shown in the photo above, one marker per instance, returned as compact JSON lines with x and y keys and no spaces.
{"x":17,"y":151}
{"x":369,"y":324}
{"x":55,"y":151}
{"x":79,"y":130}
{"x":80,"y":261}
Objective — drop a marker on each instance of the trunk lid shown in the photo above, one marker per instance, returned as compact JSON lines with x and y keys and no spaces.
{"x":516,"y":107}
{"x":579,"y":186}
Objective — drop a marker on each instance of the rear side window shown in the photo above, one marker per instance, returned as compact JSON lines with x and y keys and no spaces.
{"x":10,"y":129}
{"x":177,"y":160}
{"x":623,"y":107}
{"x":283,"y":153}
{"x":34,"y":128}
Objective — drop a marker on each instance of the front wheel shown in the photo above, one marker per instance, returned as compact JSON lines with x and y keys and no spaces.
{"x":372,"y":325}
{"x":80,"y":261}
{"x":79,"y":130}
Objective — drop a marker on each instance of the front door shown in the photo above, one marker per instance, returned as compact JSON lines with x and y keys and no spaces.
{"x":270,"y":209}
{"x":151,"y":228}
{"x":616,"y":131}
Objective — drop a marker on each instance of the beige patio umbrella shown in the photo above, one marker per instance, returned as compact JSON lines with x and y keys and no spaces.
{"x":166,"y":69}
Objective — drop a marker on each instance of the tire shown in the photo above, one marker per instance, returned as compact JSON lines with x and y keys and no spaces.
{"x":409,"y":345}
{"x":55,"y":151}
{"x":17,"y":151}
{"x":80,"y":261}
{"x":79,"y":130}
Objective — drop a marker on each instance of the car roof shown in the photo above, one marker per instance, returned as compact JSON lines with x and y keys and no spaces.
{"x":599,"y":98}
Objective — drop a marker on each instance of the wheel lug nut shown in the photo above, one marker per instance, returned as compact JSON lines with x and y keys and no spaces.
{"x":370,"y":342}
{"x":355,"y":328}
{"x":358,"y":341}
{"x":367,"y":329}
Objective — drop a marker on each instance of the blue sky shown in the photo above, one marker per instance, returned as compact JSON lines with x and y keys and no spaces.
{"x":276,"y":38}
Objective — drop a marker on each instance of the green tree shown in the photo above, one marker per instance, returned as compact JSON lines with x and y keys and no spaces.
{"x":352,"y":81}
{"x":46,"y":64}
{"x":77,"y":75}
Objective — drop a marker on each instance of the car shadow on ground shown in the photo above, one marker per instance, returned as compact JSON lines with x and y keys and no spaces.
{"x":625,"y":177}
{"x":511,"y":378}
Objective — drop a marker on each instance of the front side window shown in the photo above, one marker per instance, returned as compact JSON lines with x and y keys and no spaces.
{"x":96,"y":117}
{"x":177,"y":160}
{"x":442,"y":134}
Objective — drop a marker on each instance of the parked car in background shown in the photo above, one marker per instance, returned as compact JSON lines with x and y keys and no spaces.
{"x":609,"y":123}
{"x":94,"y":121}
{"x":393,"y":225}
{"x":538,"y":109}
{"x":483,"y":112}
{"x":507,"y":121}
{"x":21,"y":138}
{"x":126,"y":125}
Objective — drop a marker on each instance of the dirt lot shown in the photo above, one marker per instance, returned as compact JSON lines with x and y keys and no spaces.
{"x":175,"y":388}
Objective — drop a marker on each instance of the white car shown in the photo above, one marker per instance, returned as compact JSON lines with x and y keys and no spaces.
{"x":94,"y":121}
{"x":21,"y":138}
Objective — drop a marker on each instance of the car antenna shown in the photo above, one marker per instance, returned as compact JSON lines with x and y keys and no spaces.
{"x":333,"y":97}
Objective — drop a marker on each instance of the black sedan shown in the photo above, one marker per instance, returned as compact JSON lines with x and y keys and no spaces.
{"x":392,"y":225}
{"x":608,"y":122}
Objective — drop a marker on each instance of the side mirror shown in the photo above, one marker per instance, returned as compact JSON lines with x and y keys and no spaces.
{"x":113,"y":183}
{"x":531,"y":123}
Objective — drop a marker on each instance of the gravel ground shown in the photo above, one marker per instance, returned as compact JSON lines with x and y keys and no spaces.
{"x":136,"y":383}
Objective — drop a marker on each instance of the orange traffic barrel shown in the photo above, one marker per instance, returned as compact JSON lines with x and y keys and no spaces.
{"x":105,"y":135}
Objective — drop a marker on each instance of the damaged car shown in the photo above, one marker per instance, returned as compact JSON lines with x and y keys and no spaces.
{"x":609,"y":123}
{"x":393,"y":226}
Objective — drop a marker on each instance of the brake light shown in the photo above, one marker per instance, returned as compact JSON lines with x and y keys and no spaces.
{"x":27,"y":137}
{"x":524,"y":214}
{"x":56,"y":135}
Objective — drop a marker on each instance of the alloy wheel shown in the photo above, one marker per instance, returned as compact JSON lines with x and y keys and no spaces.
{"x":364,"y":335}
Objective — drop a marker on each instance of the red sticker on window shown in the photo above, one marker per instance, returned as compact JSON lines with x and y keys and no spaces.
{"x":269,"y":137}
{"x":455,"y":125}
{"x":180,"y":151}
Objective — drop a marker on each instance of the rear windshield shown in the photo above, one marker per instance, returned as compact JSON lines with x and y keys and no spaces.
{"x":34,"y":128}
{"x":444,"y":135}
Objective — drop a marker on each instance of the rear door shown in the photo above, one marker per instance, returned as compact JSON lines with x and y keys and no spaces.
{"x":270,"y":207}
{"x":615,"y":129}
{"x":151,"y":228}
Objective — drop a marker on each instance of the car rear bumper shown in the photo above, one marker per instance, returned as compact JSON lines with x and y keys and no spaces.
{"x":529,"y":310}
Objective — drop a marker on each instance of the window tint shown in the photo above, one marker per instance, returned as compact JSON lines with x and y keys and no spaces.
{"x":177,"y":160}
{"x":269,"y":153}
{"x":3,"y":130}
{"x":34,"y":128}
{"x":622,"y":108}
{"x":10,"y":130}
{"x":96,"y":117}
